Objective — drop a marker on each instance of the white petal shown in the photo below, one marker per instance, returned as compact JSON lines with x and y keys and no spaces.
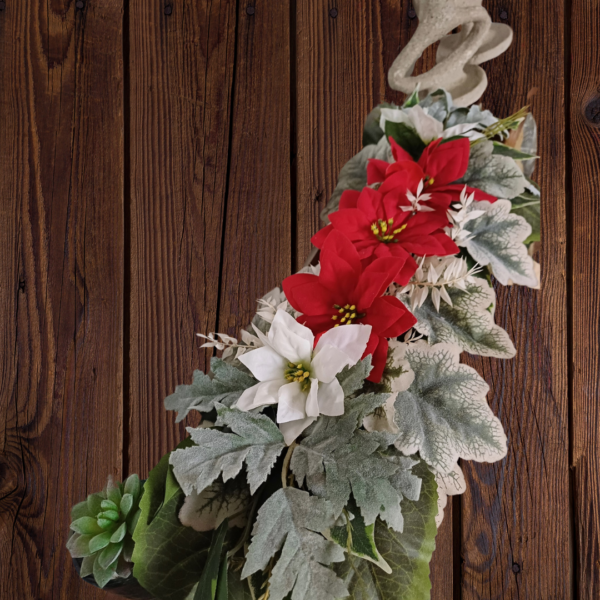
{"x":293,"y":429}
{"x":329,"y":362}
{"x":264,"y":363}
{"x":312,"y":402}
{"x":290,"y":339}
{"x":292,"y":403}
{"x":246,"y":400}
{"x":268,"y":392}
{"x":350,"y":339}
{"x":331,"y":399}
{"x":427,"y":127}
{"x":261,"y":336}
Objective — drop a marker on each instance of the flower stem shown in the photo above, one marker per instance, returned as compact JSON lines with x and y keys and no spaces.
{"x":286,"y":464}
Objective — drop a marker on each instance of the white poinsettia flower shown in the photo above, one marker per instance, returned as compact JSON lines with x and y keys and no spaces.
{"x":384,"y":418}
{"x":427,"y":128}
{"x":297,"y":375}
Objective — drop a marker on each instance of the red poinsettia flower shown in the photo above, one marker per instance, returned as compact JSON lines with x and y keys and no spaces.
{"x":345,"y":292}
{"x":427,"y":182}
{"x":377,"y":225}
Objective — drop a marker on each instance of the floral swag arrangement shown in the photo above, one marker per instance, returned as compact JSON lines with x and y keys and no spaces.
{"x":331,"y":433}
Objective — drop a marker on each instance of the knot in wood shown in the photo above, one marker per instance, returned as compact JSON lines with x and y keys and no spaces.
{"x":169,"y":9}
{"x":516,"y":568}
{"x":592,"y":111}
{"x":333,"y":13}
{"x":250,"y":10}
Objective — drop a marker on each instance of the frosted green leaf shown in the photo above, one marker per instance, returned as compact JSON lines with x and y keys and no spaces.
{"x":338,"y":463}
{"x":444,"y":414}
{"x":527,"y":205}
{"x":497,"y":175}
{"x":408,"y":553}
{"x":256,"y":441}
{"x":439,"y":105}
{"x":472,"y":115}
{"x":353,"y":378}
{"x":353,"y":175}
{"x":497,"y":240}
{"x":449,"y":484}
{"x":225,"y":387}
{"x":529,"y":143}
{"x":291,"y":521}
{"x":468,"y":322}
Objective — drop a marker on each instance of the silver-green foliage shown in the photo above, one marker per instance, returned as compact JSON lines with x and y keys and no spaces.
{"x":290,"y":521}
{"x":444,"y":414}
{"x":408,"y":553}
{"x":338,"y":462}
{"x":225,"y":387}
{"x":493,"y":173}
{"x":255,"y":441}
{"x":468,"y":322}
{"x":497,"y":239}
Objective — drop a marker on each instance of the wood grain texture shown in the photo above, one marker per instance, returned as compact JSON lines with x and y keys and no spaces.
{"x":584,"y":168}
{"x":257,"y":253}
{"x":515,"y":513}
{"x":61,"y":281}
{"x":342,"y":60}
{"x":181,"y":70}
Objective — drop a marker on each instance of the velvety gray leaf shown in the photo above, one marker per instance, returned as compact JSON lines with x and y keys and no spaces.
{"x":353,"y":378}
{"x":529,"y":143}
{"x":527,"y":205}
{"x":256,"y":441}
{"x":408,"y":553}
{"x":468,"y":322}
{"x":225,"y":387}
{"x":439,"y":105}
{"x":497,"y":175}
{"x":473,"y":114}
{"x":497,"y":239}
{"x":444,"y":414}
{"x":504,"y":150}
{"x":290,"y":521}
{"x":353,"y":175}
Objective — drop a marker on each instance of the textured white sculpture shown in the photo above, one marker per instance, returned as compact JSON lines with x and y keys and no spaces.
{"x":459,"y":55}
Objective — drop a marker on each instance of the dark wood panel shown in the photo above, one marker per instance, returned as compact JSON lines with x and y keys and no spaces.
{"x":258,"y":224}
{"x":584,"y":169}
{"x":181,"y":70}
{"x":515,"y":513}
{"x":61,"y":281}
{"x":342,"y":58}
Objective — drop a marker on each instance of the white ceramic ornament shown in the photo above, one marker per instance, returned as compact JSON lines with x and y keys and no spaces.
{"x":459,"y":54}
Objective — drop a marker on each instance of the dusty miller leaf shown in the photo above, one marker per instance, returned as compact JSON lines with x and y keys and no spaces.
{"x":408,"y":553}
{"x":444,"y":414}
{"x":497,"y":175}
{"x":353,"y":175}
{"x":497,"y":240}
{"x":225,"y":387}
{"x":291,"y":521}
{"x":353,"y":378}
{"x":527,"y":205}
{"x":468,"y":322}
{"x":256,"y":441}
{"x":338,"y":463}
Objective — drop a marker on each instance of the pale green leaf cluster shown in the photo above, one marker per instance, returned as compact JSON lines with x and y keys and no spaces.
{"x":256,"y":441}
{"x":225,"y":387}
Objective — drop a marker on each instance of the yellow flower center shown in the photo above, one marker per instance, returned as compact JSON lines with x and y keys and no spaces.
{"x":383,"y":231}
{"x":298,"y":373}
{"x":346,"y":314}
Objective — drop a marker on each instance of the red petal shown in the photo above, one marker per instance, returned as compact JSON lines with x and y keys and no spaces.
{"x":399,"y":153}
{"x":402,"y":176}
{"x":446,"y":162}
{"x":306,"y":294}
{"x":445,"y":241}
{"x":376,"y":170}
{"x":352,"y":223}
{"x":410,"y":264}
{"x":378,"y":360}
{"x":370,"y":204}
{"x":319,"y":238}
{"x":405,"y":319}
{"x":375,"y":279}
{"x":317,"y":323}
{"x":340,"y":265}
{"x":349,"y":199}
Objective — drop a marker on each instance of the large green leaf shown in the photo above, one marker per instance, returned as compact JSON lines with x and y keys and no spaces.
{"x":468,"y":322}
{"x":444,"y":414}
{"x":256,"y":441}
{"x":408,"y":553}
{"x":353,"y":175}
{"x":168,"y":557}
{"x":291,"y":521}
{"x":372,"y":132}
{"x":527,"y":205}
{"x":225,"y":387}
{"x":406,"y":137}
{"x":207,"y":586}
{"x":497,"y":175}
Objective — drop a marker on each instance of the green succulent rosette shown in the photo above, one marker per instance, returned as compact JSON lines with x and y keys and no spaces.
{"x":102,"y":529}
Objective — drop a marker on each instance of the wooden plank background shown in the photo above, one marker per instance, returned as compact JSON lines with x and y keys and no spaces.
{"x":163,"y":164}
